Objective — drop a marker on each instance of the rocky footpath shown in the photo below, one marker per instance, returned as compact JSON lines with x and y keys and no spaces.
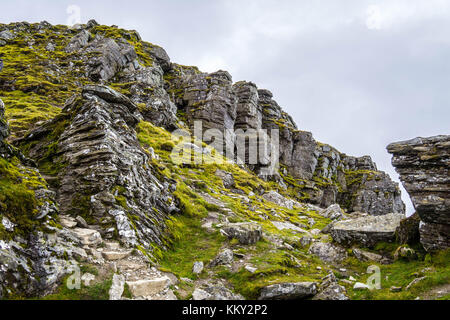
{"x":424,"y":168}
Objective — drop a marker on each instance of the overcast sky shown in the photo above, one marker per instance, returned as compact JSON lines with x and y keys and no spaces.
{"x":359,"y":74}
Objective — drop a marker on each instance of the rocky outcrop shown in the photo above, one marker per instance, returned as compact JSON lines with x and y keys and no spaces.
{"x":424,"y":168}
{"x":107,"y":177}
{"x":325,"y":175}
{"x":34,"y":255}
{"x":366,"y":230}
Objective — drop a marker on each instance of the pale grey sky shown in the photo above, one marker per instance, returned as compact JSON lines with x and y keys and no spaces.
{"x":359,"y":74}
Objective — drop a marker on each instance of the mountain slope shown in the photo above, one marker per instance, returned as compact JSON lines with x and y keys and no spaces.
{"x":93,"y":108}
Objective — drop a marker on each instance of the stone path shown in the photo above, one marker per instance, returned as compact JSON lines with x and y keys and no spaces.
{"x":130,"y":267}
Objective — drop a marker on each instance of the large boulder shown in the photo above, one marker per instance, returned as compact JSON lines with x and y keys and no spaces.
{"x":288,"y":291}
{"x":225,"y":257}
{"x":247,"y":233}
{"x":424,"y":168}
{"x":366,"y":230}
{"x":333,"y":212}
{"x":328,"y":252}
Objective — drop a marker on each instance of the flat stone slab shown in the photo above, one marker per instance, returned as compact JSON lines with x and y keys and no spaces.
{"x":146,"y":288}
{"x":287,"y":226}
{"x":68,"y":223}
{"x":367,"y":231}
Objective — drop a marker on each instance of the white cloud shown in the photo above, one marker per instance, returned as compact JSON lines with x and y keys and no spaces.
{"x":374,"y":20}
{"x":387,"y":13}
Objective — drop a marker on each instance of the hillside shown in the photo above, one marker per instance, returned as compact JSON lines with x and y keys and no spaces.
{"x":92,"y":191}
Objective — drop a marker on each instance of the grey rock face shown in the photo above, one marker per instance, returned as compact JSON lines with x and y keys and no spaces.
{"x":147,"y":90}
{"x":408,"y":230}
{"x":160,"y":55}
{"x":113,"y":56}
{"x":78,"y":42}
{"x":424,"y":168}
{"x":46,"y":259}
{"x":434,"y":236}
{"x":289,"y":291}
{"x":366,"y":230}
{"x":116,"y":59}
{"x":248,"y":111}
{"x":220,"y":105}
{"x":378,"y":196}
{"x":107,"y":177}
{"x":209,"y":98}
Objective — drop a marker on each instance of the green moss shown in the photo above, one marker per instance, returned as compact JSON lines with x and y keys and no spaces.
{"x":98,"y":291}
{"x":400,"y":274}
{"x":273,"y":266}
{"x":17,"y":195}
{"x":193,"y":244}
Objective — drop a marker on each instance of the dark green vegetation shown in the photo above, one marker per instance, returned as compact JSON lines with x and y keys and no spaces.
{"x":17,"y":196}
